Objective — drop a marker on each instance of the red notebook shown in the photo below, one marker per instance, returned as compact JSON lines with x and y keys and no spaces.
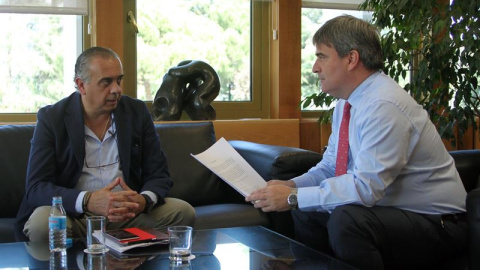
{"x":131,"y":236}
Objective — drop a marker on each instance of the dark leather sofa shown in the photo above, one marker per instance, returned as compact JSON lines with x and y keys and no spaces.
{"x":468,"y":166}
{"x":215,"y":202}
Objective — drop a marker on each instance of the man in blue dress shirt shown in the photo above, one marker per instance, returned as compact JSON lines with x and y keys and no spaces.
{"x":400,"y":203}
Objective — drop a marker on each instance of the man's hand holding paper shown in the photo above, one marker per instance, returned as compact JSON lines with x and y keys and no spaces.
{"x":273,"y":197}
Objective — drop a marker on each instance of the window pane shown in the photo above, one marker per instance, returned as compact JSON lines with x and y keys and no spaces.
{"x":37,"y":58}
{"x":312,"y":20}
{"x":216,"y":32}
{"x":77,"y":7}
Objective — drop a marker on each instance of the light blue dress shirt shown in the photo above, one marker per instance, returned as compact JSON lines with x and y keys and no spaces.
{"x":396,"y":157}
{"x":103,"y":163}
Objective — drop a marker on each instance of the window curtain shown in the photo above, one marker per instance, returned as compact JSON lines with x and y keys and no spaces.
{"x":333,"y":4}
{"x":66,"y":7}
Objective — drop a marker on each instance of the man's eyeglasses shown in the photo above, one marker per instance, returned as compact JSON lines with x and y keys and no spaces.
{"x":101,"y":166}
{"x":104,"y":165}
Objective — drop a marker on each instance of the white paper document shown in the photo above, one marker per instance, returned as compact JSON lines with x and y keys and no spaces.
{"x":223,"y":160}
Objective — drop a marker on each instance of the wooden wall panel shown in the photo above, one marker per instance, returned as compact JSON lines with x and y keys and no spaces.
{"x":310,"y":135}
{"x":314,"y":136}
{"x":290,"y":58}
{"x":286,"y":60}
{"x":108,"y":26}
{"x":285,"y":132}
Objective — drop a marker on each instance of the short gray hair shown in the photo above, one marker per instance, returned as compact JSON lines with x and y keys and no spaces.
{"x":346,"y":33}
{"x":83,"y":61}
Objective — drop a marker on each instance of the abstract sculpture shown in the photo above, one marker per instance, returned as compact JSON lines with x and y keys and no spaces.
{"x":191,"y":85}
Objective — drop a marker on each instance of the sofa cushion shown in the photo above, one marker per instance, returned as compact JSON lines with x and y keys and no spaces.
{"x":15,"y":149}
{"x":7,"y":233}
{"x":276,"y":162}
{"x":229,"y":215}
{"x":192,"y":181}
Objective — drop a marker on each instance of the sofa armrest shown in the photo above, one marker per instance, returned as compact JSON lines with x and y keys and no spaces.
{"x":276,"y":162}
{"x":466,"y":162}
{"x":473,"y":221}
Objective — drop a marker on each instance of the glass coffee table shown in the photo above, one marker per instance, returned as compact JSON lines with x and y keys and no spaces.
{"x":240,"y":248}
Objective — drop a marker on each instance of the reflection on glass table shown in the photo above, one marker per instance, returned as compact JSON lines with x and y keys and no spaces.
{"x":239,"y":248}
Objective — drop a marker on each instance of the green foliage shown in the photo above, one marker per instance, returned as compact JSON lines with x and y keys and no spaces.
{"x":321,"y":100}
{"x":435,"y":49}
{"x":173,"y":31}
{"x":32,"y":54}
{"x":438,"y":43}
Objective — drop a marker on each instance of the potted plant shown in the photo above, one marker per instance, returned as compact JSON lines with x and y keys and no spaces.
{"x":434,"y":46}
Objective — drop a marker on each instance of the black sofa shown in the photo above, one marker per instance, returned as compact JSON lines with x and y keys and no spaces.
{"x":216,"y":203}
{"x":468,"y":166}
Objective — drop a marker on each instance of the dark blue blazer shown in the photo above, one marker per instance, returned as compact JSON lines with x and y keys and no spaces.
{"x":57,"y":155}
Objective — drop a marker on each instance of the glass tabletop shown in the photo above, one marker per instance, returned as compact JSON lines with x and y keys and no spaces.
{"x":239,"y":248}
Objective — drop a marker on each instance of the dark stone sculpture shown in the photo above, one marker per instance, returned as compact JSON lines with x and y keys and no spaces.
{"x":191,"y":85}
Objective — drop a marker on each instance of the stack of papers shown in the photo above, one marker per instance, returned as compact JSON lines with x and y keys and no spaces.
{"x":118,"y":247}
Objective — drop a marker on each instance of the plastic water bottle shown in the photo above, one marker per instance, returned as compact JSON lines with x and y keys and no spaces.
{"x":58,"y":260}
{"x":57,"y":226}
